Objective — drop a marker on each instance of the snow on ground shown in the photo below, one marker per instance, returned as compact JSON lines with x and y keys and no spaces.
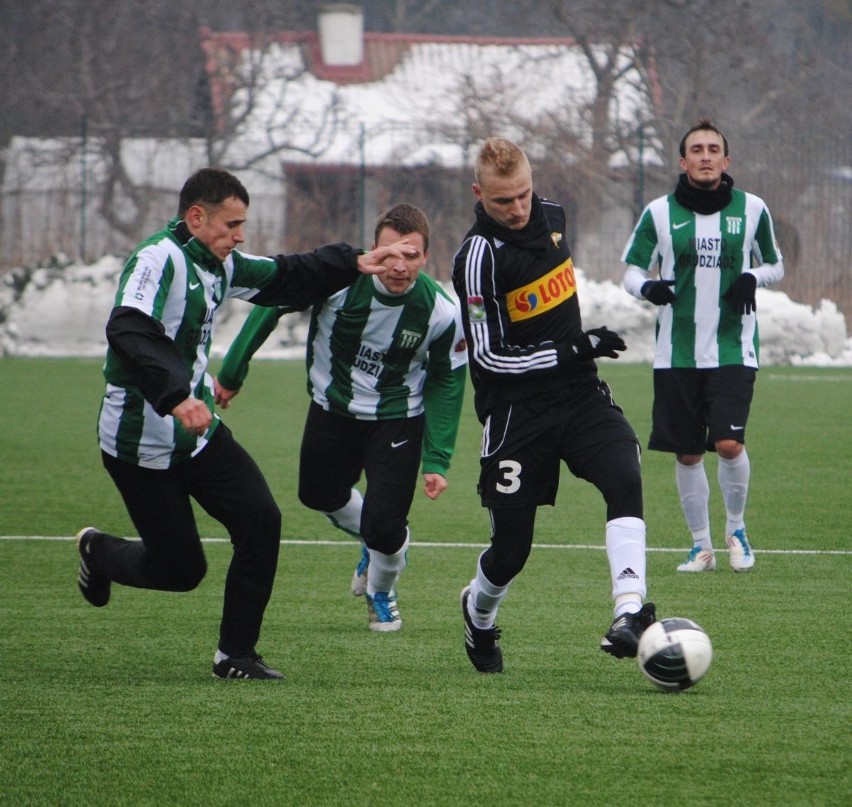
{"x":61,"y":311}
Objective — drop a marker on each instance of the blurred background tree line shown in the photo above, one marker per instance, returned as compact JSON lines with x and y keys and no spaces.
{"x":774,"y":75}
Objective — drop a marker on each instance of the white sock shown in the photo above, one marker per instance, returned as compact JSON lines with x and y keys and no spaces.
{"x":625,"y":549}
{"x":694,"y":490}
{"x":348,"y":517}
{"x":384,"y":570}
{"x":220,"y":656}
{"x":484,"y":599}
{"x":733,"y":480}
{"x":627,"y":604}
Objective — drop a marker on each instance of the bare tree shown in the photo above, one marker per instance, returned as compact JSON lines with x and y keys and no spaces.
{"x":775,"y":75}
{"x":106,"y":74}
{"x":103,"y":72}
{"x":260,"y":112}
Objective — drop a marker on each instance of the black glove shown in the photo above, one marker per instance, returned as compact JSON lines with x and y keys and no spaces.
{"x":593,"y":343}
{"x":741,"y":294}
{"x":658,"y":292}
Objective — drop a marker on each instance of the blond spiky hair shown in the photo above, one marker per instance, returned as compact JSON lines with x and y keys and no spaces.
{"x":499,"y":155}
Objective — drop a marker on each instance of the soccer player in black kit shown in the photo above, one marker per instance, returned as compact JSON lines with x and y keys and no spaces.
{"x":539,"y":399}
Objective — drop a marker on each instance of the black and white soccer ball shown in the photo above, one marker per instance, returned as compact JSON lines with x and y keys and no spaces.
{"x":674,"y":653}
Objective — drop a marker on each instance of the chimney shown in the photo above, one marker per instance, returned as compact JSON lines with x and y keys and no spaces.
{"x":341,"y":34}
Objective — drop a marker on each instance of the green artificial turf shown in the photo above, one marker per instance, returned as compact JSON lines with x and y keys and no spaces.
{"x":116,"y":706}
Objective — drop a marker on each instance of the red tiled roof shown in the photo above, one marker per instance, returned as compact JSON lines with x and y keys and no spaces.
{"x":382,"y":52}
{"x":430,"y":66}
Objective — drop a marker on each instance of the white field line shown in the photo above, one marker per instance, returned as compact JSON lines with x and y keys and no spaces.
{"x":457,"y":545}
{"x":819,"y":378}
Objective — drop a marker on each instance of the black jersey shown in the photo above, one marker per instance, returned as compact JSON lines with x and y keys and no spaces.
{"x":519,"y":300}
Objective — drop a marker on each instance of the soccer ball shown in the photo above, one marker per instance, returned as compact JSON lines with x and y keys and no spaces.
{"x":674,"y":653}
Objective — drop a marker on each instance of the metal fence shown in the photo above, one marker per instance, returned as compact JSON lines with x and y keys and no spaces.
{"x":51,"y":202}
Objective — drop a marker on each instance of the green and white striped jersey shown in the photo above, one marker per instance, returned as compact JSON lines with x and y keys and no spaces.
{"x":376,"y":356}
{"x":180,"y":285}
{"x":368,"y":350}
{"x":703,"y":254}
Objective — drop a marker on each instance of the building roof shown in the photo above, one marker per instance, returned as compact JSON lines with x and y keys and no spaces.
{"x":409,"y":101}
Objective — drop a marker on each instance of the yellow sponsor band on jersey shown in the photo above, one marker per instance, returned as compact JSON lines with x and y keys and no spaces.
{"x":542,"y":294}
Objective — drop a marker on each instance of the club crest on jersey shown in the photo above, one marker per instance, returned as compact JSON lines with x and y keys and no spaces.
{"x":542,"y":294}
{"x":409,"y":339}
{"x":556,"y":238}
{"x":476,"y":308}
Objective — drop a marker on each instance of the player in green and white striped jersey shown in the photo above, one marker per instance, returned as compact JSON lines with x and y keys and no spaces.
{"x":161,"y":441}
{"x":386,"y":364}
{"x":699,"y":254}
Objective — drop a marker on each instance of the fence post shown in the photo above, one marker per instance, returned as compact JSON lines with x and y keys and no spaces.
{"x":640,"y":185}
{"x":84,"y":126}
{"x":362,"y":178}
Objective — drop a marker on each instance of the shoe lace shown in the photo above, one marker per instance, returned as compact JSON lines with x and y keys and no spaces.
{"x":740,"y":535}
{"x":361,"y":568}
{"x":383,"y":604}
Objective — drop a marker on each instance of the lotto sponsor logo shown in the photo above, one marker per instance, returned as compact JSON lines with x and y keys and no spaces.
{"x":543,"y":294}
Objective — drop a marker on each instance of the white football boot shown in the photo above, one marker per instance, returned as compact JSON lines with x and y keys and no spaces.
{"x":699,"y":560}
{"x":740,"y":555}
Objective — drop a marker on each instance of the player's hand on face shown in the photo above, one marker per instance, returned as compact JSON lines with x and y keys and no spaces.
{"x":372,"y":262}
{"x":434,"y":485}
{"x":193,"y":415}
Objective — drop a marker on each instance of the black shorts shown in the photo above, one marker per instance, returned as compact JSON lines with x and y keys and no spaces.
{"x":523,"y":443}
{"x":693,"y":408}
{"x":337,"y":450}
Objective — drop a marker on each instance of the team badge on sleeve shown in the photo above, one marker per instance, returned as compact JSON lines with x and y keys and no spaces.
{"x":476,"y":308}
